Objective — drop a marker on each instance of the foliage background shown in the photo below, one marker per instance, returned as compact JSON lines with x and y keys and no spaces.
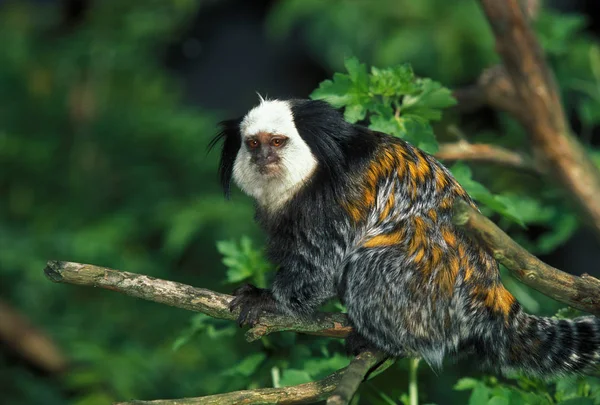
{"x":106,"y":109}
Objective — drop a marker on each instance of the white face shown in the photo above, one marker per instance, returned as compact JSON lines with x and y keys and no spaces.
{"x":273,"y":161}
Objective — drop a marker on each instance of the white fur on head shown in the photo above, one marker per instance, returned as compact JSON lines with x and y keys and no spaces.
{"x":297,"y":162}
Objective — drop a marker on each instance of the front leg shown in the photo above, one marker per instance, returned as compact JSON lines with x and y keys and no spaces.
{"x":295,"y":293}
{"x":252,"y":301}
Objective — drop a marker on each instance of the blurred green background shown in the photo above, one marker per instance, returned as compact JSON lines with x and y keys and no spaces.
{"x":106,"y":110}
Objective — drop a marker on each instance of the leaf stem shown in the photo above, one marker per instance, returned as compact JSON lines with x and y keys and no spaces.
{"x":413,"y":387}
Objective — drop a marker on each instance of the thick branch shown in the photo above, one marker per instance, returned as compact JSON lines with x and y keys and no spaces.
{"x":485,"y":153}
{"x":191,"y":298}
{"x":579,"y":292}
{"x":540,"y":106}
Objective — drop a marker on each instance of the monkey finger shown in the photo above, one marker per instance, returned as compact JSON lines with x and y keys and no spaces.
{"x":237,"y":302}
{"x":245,"y":289}
{"x":242,"y":319}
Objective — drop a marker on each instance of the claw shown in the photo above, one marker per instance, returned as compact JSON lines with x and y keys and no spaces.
{"x":235,"y":303}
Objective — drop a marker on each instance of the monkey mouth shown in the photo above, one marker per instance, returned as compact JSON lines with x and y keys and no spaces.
{"x":270,"y":169}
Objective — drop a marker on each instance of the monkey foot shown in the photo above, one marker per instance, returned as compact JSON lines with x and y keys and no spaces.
{"x":251,"y":302}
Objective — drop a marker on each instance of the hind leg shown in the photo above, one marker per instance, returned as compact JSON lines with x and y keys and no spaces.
{"x":372,"y":293}
{"x":389,"y":302}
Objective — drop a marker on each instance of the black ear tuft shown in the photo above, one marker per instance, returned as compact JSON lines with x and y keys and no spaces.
{"x":232,"y":140}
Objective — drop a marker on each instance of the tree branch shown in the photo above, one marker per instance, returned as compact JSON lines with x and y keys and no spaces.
{"x":493,"y":88}
{"x":579,"y":292}
{"x":17,"y":332}
{"x":354,"y":375}
{"x":463,"y":150}
{"x":540,"y":106}
{"x":191,"y":298}
{"x":298,"y":394}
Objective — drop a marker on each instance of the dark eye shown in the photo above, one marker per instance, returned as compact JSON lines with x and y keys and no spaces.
{"x":277,"y":142}
{"x":252,"y":143}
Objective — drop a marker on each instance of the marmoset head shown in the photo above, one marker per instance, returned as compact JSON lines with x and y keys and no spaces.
{"x":279,"y":146}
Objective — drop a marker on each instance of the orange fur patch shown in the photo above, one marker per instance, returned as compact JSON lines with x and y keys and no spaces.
{"x":388,"y":206}
{"x":446,"y":203}
{"x":432,"y":214}
{"x":389,"y":239}
{"x":499,"y":299}
{"x":383,"y":166}
{"x":441,"y":181}
{"x":419,"y":255}
{"x":419,"y":234}
{"x":447,"y":275}
{"x":449,"y":236}
{"x":423,"y":167}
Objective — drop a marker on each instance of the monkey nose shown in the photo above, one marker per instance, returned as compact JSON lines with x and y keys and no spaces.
{"x":270,"y":159}
{"x":265,"y":160}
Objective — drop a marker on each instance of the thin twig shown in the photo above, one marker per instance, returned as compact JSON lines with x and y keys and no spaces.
{"x":493,"y":88}
{"x":191,"y":298}
{"x":463,"y":150}
{"x":355,"y":374}
{"x":579,"y":292}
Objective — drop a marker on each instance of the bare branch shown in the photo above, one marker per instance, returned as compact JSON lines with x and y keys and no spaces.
{"x":463,"y":150}
{"x":191,"y":298}
{"x":493,"y":88}
{"x":354,"y":375}
{"x":579,"y":292}
{"x":540,"y":106}
{"x":299,"y":394}
{"x":32,"y":344}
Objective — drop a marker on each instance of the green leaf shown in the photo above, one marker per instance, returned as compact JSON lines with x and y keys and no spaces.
{"x":335,"y":92}
{"x":393,"y":82}
{"x":562,"y":229}
{"x":480,"y":395}
{"x":243,"y":261}
{"x":358,"y":73}
{"x":419,"y":133}
{"x":577,"y":401}
{"x":465,"y":384}
{"x":396,"y":102}
{"x":319,"y":367}
{"x":498,"y":401}
{"x":247,"y":366}
{"x":354,"y":113}
{"x":294,"y":377}
{"x":429,"y":101}
{"x":477,"y":191}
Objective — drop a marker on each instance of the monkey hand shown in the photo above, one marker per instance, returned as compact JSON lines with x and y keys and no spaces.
{"x":251,"y":302}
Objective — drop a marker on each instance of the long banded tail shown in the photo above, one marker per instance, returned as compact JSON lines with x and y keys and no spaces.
{"x":549,"y":347}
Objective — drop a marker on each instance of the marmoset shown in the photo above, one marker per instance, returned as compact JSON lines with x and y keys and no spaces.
{"x":366,"y":217}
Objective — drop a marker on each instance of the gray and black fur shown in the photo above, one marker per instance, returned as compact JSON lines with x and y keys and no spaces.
{"x":366,"y":217}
